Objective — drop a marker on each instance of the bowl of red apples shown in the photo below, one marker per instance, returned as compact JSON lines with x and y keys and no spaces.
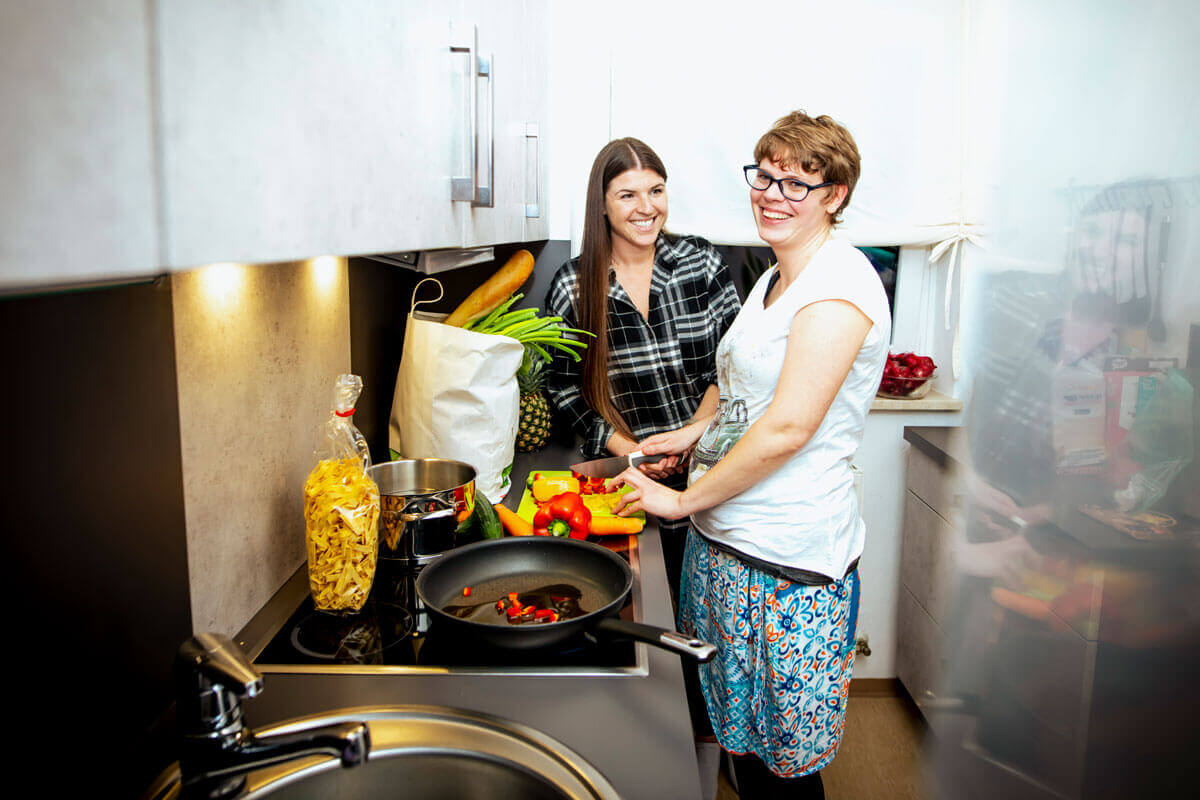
{"x":907,"y":376}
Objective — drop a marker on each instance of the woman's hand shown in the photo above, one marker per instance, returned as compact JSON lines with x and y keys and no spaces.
{"x":1007,"y":561}
{"x":671,"y":465}
{"x":647,"y":495}
{"x":678,"y":443}
{"x":620,"y":445}
{"x":991,"y":499}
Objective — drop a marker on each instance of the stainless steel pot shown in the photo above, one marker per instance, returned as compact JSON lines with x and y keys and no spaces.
{"x":421,"y":501}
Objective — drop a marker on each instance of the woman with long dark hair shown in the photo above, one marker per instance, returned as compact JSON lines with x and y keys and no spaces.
{"x":658,"y":305}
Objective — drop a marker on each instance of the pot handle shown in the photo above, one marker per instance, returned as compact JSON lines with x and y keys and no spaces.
{"x":688,"y":646}
{"x":423,"y":515}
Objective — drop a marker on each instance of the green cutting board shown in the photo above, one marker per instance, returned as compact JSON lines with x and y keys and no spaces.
{"x":529,"y":506}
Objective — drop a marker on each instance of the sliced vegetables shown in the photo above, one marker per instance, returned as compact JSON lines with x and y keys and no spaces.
{"x":545,"y":488}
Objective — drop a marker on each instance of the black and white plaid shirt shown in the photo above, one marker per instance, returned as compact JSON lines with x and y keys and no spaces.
{"x":659,"y":368}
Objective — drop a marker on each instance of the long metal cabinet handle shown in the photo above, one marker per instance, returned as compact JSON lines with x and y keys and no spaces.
{"x":465,"y":40}
{"x":531,"y":133}
{"x":483,"y":192}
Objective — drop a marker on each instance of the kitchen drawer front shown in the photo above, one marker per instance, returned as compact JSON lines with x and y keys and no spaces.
{"x":939,"y":484}
{"x":927,"y":566}
{"x":920,"y":652}
{"x":1035,"y":705}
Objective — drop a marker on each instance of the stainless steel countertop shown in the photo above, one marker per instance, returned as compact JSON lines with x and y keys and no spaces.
{"x":632,"y":724}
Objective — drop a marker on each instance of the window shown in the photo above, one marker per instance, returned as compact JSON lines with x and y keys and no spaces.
{"x":749,"y":263}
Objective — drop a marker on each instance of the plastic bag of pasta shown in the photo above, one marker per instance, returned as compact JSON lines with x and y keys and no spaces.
{"x":341,"y":509}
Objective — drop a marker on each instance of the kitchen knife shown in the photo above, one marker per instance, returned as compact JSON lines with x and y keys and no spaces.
{"x":611,"y":467}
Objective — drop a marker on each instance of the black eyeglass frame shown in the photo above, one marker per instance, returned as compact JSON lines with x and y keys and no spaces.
{"x":807,"y":187}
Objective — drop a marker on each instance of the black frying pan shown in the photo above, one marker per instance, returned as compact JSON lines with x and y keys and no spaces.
{"x":575,"y":576}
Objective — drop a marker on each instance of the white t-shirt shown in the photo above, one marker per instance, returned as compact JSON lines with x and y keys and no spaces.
{"x":805,"y":514}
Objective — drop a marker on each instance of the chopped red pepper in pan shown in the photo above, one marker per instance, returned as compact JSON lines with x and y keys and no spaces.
{"x":518,"y":612}
{"x":466,"y":591}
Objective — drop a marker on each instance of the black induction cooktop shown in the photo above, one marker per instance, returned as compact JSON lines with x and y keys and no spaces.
{"x":392,"y":629}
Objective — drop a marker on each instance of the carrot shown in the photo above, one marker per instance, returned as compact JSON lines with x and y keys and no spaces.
{"x":605,"y":526}
{"x":495,"y":290}
{"x":515,"y":525}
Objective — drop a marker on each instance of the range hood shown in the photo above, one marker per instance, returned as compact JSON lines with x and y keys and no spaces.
{"x":431,"y":262}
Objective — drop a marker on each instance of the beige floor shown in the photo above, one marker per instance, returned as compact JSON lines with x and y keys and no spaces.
{"x":880,"y":756}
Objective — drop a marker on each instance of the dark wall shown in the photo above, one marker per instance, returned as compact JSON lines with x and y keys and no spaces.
{"x":380,"y":298}
{"x":98,"y":593}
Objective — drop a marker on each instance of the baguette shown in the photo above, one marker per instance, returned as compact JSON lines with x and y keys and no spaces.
{"x":495,"y":290}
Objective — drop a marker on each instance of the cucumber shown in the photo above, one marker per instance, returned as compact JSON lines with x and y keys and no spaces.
{"x":489,"y":520}
{"x":466,"y":525}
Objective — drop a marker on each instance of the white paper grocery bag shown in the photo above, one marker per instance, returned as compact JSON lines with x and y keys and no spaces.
{"x":456,"y":397}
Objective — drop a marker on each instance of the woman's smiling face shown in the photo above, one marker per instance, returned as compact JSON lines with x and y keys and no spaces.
{"x":636,"y":206}
{"x":781,"y":221}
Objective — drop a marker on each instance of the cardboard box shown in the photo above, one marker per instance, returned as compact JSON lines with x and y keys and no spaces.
{"x":1129,"y":383}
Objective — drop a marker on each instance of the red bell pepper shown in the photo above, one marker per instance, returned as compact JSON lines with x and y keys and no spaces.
{"x":563,"y":515}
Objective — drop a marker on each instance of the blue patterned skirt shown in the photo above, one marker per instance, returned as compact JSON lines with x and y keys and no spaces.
{"x":779,"y":683}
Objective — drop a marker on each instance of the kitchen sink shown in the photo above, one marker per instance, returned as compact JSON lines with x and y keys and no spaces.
{"x":424,"y":753}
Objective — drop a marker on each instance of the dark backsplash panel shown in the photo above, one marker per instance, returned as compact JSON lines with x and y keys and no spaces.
{"x":380,"y":298}
{"x":96,"y":526}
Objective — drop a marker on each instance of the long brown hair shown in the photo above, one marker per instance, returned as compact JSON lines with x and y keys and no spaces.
{"x":595,"y":258}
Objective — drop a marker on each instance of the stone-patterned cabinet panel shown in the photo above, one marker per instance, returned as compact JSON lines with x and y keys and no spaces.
{"x":927,"y":565}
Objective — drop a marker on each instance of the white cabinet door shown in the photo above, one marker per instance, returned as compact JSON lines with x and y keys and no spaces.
{"x":75,"y":143}
{"x":535,"y":114}
{"x":505,"y":41}
{"x":293,"y":129}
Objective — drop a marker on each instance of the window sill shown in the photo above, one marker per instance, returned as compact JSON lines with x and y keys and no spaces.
{"x":934,"y":401}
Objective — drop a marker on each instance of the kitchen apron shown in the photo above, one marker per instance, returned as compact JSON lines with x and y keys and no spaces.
{"x":779,"y":684}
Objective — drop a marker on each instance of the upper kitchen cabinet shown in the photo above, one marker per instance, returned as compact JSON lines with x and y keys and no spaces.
{"x":75,"y":143}
{"x":533,"y":101}
{"x":293,"y":129}
{"x":507,"y":102}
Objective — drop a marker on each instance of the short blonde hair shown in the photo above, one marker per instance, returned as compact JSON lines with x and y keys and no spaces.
{"x":820,"y":145}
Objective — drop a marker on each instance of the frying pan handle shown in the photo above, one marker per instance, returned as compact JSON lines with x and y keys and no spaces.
{"x":660,"y":637}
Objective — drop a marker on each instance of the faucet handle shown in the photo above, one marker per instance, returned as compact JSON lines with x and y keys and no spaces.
{"x":211,"y":673}
{"x":215,"y":658}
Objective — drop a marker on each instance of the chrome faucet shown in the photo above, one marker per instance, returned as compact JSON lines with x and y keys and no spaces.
{"x":211,"y":674}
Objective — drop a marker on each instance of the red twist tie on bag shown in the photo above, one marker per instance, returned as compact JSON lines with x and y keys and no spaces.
{"x":347,"y":413}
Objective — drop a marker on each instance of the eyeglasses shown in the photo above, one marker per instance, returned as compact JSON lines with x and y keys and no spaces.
{"x":791,"y":188}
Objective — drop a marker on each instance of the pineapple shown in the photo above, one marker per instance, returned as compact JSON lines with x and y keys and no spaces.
{"x":534,"y":426}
